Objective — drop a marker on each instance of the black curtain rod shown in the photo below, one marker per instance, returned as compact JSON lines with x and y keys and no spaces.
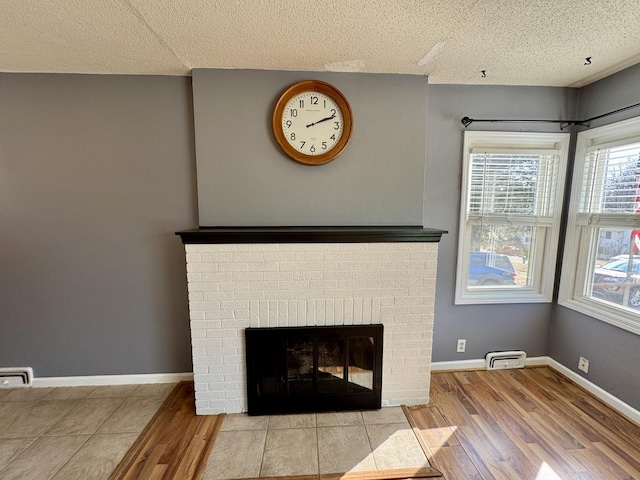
{"x":466,"y":121}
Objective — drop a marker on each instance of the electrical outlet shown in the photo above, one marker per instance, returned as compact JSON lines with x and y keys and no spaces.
{"x":583,"y":364}
{"x":462,"y":345}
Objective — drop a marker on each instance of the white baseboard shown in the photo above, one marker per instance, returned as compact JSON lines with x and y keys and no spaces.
{"x":458,"y":365}
{"x":97,"y":380}
{"x":479,"y":364}
{"x":614,"y":402}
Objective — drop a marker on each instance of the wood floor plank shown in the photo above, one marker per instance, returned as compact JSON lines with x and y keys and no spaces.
{"x":155,"y":433}
{"x":395,"y":474}
{"x":417,"y":432}
{"x":626,"y":466}
{"x":174,"y":445}
{"x":151,"y":462}
{"x":556,"y":463}
{"x":602,"y":421}
{"x":181,"y":447}
{"x":195,"y":458}
{"x":510,"y":447}
{"x":435,"y":429}
{"x":456,"y":463}
{"x":600,"y":465}
{"x":522,"y":423}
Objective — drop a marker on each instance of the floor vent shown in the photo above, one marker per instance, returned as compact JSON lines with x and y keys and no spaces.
{"x":509,"y":359}
{"x":16,"y":377}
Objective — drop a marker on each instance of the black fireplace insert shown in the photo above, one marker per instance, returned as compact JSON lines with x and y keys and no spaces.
{"x":314,"y":369}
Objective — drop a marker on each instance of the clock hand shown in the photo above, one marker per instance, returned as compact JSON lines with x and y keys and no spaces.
{"x":320,"y":121}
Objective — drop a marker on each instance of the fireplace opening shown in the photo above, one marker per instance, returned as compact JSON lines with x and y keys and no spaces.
{"x":314,"y":369}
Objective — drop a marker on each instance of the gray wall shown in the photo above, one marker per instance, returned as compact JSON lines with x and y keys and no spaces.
{"x":485,"y":327}
{"x":96,"y":175}
{"x":245,"y":179}
{"x":97,"y":172}
{"x":613,"y":353}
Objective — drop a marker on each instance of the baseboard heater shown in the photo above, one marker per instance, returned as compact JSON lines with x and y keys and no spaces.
{"x":504,"y":360}
{"x":16,"y":377}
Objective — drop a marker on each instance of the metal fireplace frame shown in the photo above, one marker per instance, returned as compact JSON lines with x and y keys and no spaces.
{"x":273,"y":342}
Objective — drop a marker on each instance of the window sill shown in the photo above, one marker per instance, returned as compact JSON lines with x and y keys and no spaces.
{"x":477,"y":297}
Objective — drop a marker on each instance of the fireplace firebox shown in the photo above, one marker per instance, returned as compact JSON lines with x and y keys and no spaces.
{"x":313,"y":369}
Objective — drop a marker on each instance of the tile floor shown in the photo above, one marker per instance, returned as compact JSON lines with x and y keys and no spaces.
{"x":249,"y":447}
{"x":69,"y":433}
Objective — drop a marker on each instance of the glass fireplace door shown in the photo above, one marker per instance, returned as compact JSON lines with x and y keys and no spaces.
{"x":307,"y":369}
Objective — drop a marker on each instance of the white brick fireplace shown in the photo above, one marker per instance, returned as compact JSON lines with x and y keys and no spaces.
{"x":233,"y":286}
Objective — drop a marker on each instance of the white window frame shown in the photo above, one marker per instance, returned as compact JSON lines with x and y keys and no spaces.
{"x":578,"y":250}
{"x":546,"y":245}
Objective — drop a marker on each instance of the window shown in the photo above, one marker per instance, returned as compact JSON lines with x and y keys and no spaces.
{"x":510,"y":216}
{"x":601,"y":267}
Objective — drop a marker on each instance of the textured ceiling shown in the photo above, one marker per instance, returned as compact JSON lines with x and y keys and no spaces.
{"x":516,"y":42}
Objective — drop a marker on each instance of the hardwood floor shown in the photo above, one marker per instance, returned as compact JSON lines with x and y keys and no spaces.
{"x":175,"y":444}
{"x":529,"y":424}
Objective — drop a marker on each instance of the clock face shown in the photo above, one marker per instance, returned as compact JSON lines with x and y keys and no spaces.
{"x":312,"y":123}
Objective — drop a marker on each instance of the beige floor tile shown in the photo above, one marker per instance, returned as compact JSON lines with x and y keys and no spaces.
{"x":236,"y":454}
{"x":154,"y":390}
{"x":111,"y":391}
{"x":10,"y":411}
{"x":344,"y":449}
{"x":97,"y":458}
{"x":26,"y":394}
{"x":43,"y":459}
{"x":86,"y":417}
{"x":242,"y":421}
{"x":384,"y":415}
{"x":37,"y":419}
{"x":290,"y":452}
{"x":339,"y":419}
{"x":67,"y":393}
{"x":10,"y":449}
{"x":305,"y":420}
{"x":132,"y":415}
{"x":395,"y":446}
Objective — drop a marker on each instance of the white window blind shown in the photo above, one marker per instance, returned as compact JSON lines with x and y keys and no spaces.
{"x":517,"y":187}
{"x":610,"y":187}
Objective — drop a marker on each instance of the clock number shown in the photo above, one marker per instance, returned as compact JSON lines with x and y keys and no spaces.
{"x":325,"y":103}
{"x":293,"y":136}
{"x":301,"y":103}
{"x":288,"y":123}
{"x":324,"y":145}
{"x":294,"y":112}
{"x":333,"y":112}
{"x":302,"y":144}
{"x":312,"y":149}
{"x":337,"y":127}
{"x":333,"y":137}
{"x":314,"y":100}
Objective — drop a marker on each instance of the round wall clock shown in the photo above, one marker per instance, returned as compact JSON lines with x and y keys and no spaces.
{"x":312,"y":122}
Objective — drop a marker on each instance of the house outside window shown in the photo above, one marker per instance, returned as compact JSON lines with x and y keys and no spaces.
{"x":512,"y":189}
{"x":601,"y":267}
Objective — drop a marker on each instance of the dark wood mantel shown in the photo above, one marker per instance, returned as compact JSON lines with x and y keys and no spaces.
{"x":364,"y":234}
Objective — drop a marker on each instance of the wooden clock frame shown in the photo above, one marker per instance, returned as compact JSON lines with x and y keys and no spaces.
{"x":347,"y":118}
